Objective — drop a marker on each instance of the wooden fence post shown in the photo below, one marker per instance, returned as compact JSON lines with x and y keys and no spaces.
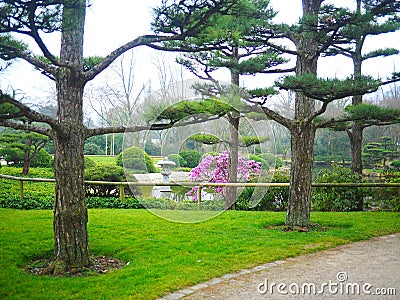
{"x":199,"y":197}
{"x":121,"y":192}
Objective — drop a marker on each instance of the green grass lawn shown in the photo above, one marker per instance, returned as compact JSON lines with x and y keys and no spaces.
{"x":165,"y":256}
{"x":105,"y":159}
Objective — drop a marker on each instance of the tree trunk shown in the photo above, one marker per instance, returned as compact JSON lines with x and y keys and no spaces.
{"x":357,"y":129}
{"x":298,"y":213}
{"x":71,"y":247}
{"x":356,"y":148}
{"x":231,"y":194}
{"x":234,"y":120}
{"x":26,"y":167}
{"x":302,"y":129}
{"x":27,"y":156}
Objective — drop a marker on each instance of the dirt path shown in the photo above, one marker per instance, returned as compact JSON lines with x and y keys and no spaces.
{"x":362,"y":270}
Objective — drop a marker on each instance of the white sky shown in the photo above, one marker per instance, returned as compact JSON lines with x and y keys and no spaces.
{"x":110,"y":24}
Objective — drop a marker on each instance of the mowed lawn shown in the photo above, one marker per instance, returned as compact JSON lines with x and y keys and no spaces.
{"x":165,"y":256}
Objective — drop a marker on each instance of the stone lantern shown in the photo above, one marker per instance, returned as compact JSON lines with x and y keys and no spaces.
{"x":166,"y":166}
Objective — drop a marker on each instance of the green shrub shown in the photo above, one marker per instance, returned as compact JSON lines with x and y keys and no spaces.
{"x":92,"y":149}
{"x":211,"y":153}
{"x":338,"y":198}
{"x":116,"y":203}
{"x":137,"y":160}
{"x":264,"y":163}
{"x":385,"y":198}
{"x":192,"y":158}
{"x":105,"y":172}
{"x":177,"y":159}
{"x":275,"y":198}
{"x":43,"y":160}
{"x":272,"y":160}
{"x":89,"y":163}
{"x":27,"y":203}
{"x":395,"y":165}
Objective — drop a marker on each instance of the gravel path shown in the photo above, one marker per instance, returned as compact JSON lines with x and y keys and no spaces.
{"x":362,"y":270}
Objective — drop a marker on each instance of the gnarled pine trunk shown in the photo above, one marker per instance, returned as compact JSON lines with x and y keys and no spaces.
{"x":302,"y":129}
{"x":298,"y":213}
{"x":71,"y":247}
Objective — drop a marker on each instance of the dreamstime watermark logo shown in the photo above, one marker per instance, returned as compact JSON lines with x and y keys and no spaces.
{"x":340,"y":286}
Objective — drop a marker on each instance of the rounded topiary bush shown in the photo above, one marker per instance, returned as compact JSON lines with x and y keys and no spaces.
{"x":177,"y":159}
{"x":395,"y":165}
{"x":192,"y":158}
{"x":136,"y":160}
{"x":43,"y":159}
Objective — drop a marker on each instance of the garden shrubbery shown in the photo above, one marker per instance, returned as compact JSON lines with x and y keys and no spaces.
{"x":136,"y":160}
{"x":105,"y":172}
{"x":191,"y":158}
{"x":272,"y":160}
{"x":395,"y":165}
{"x":385,"y":198}
{"x":178,"y":160}
{"x":338,"y":198}
{"x":43,"y":159}
{"x":274,"y":198}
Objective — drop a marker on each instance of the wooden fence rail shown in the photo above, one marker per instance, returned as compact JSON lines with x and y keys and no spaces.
{"x":200,"y":185}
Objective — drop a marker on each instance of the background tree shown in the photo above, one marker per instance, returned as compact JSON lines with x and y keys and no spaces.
{"x":381,"y":151}
{"x":380,"y":18}
{"x":32,"y":19}
{"x":318,"y":29}
{"x":231,"y":36}
{"x":21,"y":148}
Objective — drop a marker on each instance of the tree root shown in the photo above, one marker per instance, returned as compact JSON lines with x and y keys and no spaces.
{"x":99,"y":265}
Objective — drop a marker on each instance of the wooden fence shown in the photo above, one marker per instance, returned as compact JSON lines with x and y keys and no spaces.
{"x":199,"y":185}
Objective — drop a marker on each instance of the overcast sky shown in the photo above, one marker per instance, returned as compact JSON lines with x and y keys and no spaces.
{"x":111,"y":25}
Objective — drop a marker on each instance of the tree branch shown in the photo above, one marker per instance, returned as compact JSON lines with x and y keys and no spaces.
{"x":318,"y":112}
{"x":25,"y":111}
{"x":140,"y":41}
{"x":288,"y":123}
{"x":34,"y":128}
{"x":27,"y":56}
{"x":35,"y":35}
{"x":152,"y":127}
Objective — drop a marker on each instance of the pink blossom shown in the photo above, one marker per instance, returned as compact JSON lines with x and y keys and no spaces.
{"x":215,"y":169}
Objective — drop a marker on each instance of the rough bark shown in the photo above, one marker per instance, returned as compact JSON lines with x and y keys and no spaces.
{"x":302,"y":129}
{"x":356,"y":137}
{"x":231,"y":195}
{"x":298,"y":213}
{"x":27,"y":156}
{"x":234,"y":121}
{"x":357,"y":130}
{"x":70,"y":212}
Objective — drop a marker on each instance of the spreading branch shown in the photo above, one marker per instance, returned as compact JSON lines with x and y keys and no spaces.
{"x":150,"y":127}
{"x":27,"y":127}
{"x":24,"y":111}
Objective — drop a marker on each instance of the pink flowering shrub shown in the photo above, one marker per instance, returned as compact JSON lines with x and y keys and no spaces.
{"x":214,"y":169}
